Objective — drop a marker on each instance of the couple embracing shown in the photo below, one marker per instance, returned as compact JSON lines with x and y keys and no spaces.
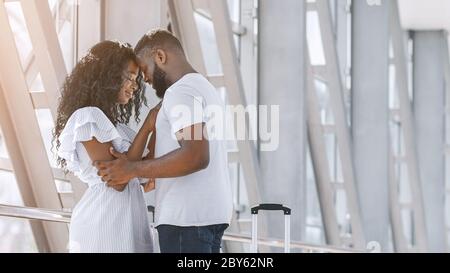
{"x":171,"y":155}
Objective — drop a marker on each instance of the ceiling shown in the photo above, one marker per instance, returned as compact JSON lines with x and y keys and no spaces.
{"x":425,"y":14}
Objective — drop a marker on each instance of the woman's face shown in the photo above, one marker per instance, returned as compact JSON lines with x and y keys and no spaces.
{"x":129,"y":85}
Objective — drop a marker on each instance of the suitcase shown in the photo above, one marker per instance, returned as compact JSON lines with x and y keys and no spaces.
{"x":287,"y":224}
{"x":153,"y":230}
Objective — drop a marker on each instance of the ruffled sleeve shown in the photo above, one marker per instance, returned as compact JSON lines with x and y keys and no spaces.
{"x":84,"y":125}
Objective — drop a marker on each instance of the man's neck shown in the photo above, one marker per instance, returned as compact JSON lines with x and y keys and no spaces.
{"x":180,"y":72}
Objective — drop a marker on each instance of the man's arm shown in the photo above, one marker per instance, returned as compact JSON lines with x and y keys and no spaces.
{"x":151,"y":184}
{"x":192,"y":156}
{"x":100,"y":151}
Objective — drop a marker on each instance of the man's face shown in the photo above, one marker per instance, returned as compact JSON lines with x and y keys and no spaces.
{"x":154,"y":75}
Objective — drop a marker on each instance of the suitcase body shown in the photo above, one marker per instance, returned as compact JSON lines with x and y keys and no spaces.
{"x":287,"y":224}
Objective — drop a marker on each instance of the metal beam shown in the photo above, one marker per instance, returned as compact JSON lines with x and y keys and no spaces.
{"x":407,"y":123}
{"x":50,"y":62}
{"x":236,"y":28}
{"x":40,"y":100}
{"x":395,"y":209}
{"x":370,"y":116}
{"x":46,"y":48}
{"x":282,"y":83}
{"x":23,"y":182}
{"x":31,"y":163}
{"x":320,"y":163}
{"x":30,"y":69}
{"x":429,"y":110}
{"x":236,"y":95}
{"x":335,"y":86}
{"x":89,"y":26}
{"x":163,"y":13}
{"x":342,"y":41}
{"x":446,"y":60}
{"x":185,"y":28}
{"x":248,"y":57}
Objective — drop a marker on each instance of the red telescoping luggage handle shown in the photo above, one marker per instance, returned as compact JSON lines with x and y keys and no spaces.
{"x":287,"y":224}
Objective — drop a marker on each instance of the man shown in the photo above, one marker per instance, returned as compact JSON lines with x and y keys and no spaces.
{"x":193,"y":194}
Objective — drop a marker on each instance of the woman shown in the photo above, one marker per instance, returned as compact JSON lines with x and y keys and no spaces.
{"x":97,"y":101}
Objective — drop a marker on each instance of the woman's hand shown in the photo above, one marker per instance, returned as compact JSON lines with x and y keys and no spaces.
{"x":150,"y":185}
{"x":150,"y":121}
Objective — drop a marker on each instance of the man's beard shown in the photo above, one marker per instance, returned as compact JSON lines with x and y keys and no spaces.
{"x":159,"y":82}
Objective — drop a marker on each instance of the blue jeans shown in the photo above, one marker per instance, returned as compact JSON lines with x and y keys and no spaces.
{"x":202,"y":239}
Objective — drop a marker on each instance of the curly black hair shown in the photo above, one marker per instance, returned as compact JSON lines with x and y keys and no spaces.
{"x":96,"y":81}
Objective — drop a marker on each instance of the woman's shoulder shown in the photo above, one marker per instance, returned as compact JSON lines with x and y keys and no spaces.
{"x":89,"y":114}
{"x":83,"y":125}
{"x":86,"y":117}
{"x":88,"y":111}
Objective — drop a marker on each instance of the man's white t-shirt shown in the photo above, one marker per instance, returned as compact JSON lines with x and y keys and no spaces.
{"x":204,"y":197}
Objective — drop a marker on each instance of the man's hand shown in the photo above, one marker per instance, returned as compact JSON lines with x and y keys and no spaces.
{"x":119,"y":188}
{"x":115,"y":172}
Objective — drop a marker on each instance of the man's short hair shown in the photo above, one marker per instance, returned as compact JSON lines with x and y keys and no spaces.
{"x":156,"y":39}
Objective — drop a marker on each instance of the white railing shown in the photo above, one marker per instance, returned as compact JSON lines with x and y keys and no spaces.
{"x":64,"y":217}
